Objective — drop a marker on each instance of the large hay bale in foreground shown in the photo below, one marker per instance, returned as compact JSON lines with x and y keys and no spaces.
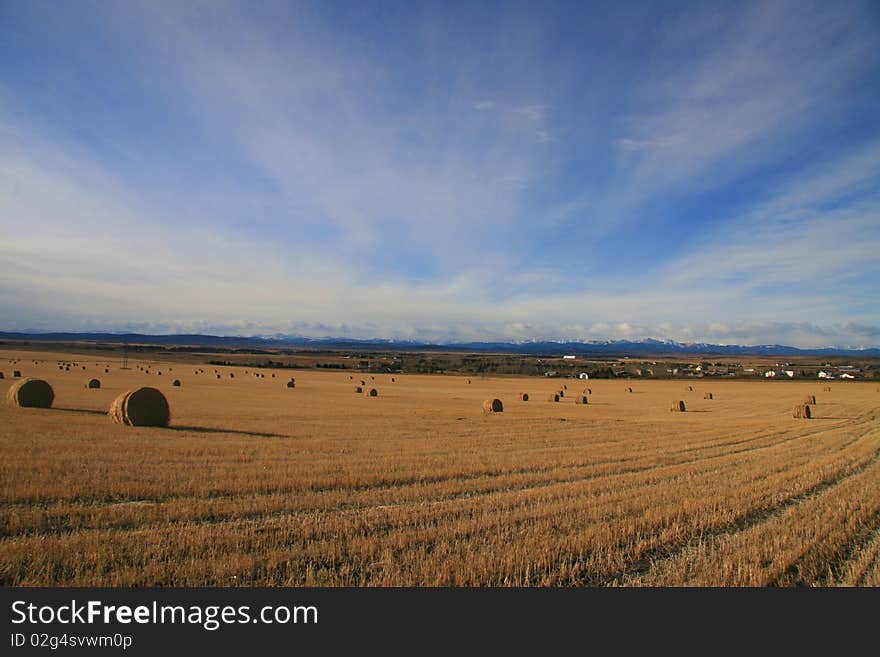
{"x":176,"y":383}
{"x":493,"y":406}
{"x":678,"y":407}
{"x":810,"y":399}
{"x":524,"y":396}
{"x":93,"y":384}
{"x":373,"y":392}
{"x":31,"y":393}
{"x":581,"y":399}
{"x":553,"y":397}
{"x":144,"y":407}
{"x":802,"y":411}
{"x":708,"y":395}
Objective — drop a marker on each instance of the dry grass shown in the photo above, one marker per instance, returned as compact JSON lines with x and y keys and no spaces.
{"x":252,"y":486}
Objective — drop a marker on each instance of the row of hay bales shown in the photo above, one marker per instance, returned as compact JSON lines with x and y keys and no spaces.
{"x":143,"y":407}
{"x":495,"y":405}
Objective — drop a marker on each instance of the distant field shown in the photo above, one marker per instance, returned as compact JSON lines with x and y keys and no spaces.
{"x":257,"y":484}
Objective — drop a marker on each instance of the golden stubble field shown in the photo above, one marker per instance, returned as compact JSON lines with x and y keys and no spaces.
{"x":257,"y":484}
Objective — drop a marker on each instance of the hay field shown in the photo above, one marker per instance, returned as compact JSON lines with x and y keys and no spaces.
{"x":255,"y":483}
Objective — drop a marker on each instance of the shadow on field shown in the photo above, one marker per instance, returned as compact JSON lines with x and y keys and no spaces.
{"x":79,"y":410}
{"x":258,"y":434}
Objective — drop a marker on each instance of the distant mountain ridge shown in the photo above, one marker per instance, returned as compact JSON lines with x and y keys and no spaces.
{"x":538,"y":347}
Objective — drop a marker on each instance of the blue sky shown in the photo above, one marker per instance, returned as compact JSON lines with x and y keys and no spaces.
{"x":443,"y":171}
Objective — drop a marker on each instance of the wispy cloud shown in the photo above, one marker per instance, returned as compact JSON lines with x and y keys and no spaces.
{"x":267,"y":169}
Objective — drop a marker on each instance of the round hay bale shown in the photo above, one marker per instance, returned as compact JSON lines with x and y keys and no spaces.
{"x":690,"y":388}
{"x":67,"y":369}
{"x":392,"y":379}
{"x":373,"y":392}
{"x":581,"y":399}
{"x":31,"y":393}
{"x":810,"y":399}
{"x":159,"y":372}
{"x":564,"y":387}
{"x":291,"y":384}
{"x":561,"y":393}
{"x":708,"y":395}
{"x":106,"y":371}
{"x":84,"y":367}
{"x":358,"y":389}
{"x":678,"y":407}
{"x":553,"y":397}
{"x":629,"y":389}
{"x":218,"y":376}
{"x":493,"y":406}
{"x":2,"y":377}
{"x":232,"y":375}
{"x":350,"y":377}
{"x":469,"y":381}
{"x":363,"y":383}
{"x":93,"y":383}
{"x":524,"y":396}
{"x":144,"y":407}
{"x":588,"y":391}
{"x":802,"y":411}
{"x":273,"y":375}
{"x":176,"y":383}
{"x":16,"y":374}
